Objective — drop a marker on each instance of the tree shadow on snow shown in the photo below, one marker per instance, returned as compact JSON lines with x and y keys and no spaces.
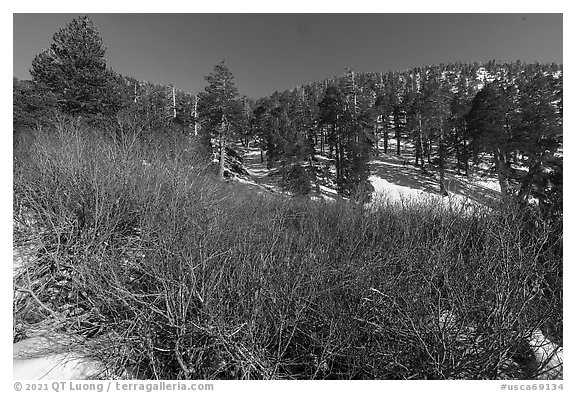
{"x":398,"y":171}
{"x":394,"y":170}
{"x":473,"y":191}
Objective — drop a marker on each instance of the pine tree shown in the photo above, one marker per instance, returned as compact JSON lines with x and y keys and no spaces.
{"x":414,"y":120}
{"x":220,"y":110}
{"x":332,"y":115}
{"x":490,"y":122}
{"x":539,"y":133}
{"x":436,"y":99}
{"x":304,"y":125}
{"x":356,"y":170}
{"x":74,"y":69}
{"x":260,"y":124}
{"x":358,"y":140}
{"x":246,"y":131}
{"x":459,"y":107}
{"x":346,"y":122}
{"x":32,"y":105}
{"x":295,"y":179}
{"x":280,"y":135}
{"x":385,"y":105}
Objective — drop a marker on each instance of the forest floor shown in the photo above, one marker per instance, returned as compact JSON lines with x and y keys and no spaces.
{"x":394,"y":177}
{"x":261,"y":176}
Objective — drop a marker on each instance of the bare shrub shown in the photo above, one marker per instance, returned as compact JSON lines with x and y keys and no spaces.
{"x":178,"y":275}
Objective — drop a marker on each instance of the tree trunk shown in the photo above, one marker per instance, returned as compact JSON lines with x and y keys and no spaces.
{"x":465,"y":153}
{"x":527,"y":181}
{"x":397,"y":140}
{"x":377,"y":150}
{"x":196,"y":115}
{"x":441,"y":163}
{"x":222,"y":157}
{"x":443,"y":190}
{"x":385,"y":134}
{"x":397,"y":126}
{"x":502,"y":171}
{"x":465,"y":157}
{"x":419,"y":146}
{"x":457,"y":150}
{"x":339,"y":156}
{"x":222,"y":149}
{"x":337,"y":162}
{"x":173,"y":102}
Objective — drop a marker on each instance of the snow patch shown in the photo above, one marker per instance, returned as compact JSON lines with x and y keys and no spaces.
{"x":386,"y":192}
{"x":549,"y":356}
{"x":39,"y":358}
{"x":391,"y":191}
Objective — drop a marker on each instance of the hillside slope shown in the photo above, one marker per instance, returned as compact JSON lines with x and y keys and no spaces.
{"x":394,"y":179}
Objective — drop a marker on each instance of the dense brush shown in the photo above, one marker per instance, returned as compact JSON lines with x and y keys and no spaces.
{"x":181,"y":275}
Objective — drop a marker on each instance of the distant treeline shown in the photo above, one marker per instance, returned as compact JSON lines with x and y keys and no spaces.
{"x":460,"y":113}
{"x":451,"y":115}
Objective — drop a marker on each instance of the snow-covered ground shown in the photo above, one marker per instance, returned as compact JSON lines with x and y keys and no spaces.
{"x":40,"y":358}
{"x":549,"y":356}
{"x":45,"y":354}
{"x":394,"y":179}
{"x":260,"y":176}
{"x":253,"y":164}
{"x":397,"y":181}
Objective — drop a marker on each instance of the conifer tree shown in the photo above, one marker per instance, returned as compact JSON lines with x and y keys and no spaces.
{"x":459,"y":107}
{"x":415,"y":122}
{"x":220,"y":110}
{"x":32,"y":105}
{"x":261,"y":123}
{"x":385,"y":105}
{"x":351,"y":139}
{"x":304,"y":124}
{"x":490,"y":122}
{"x":332,"y":115}
{"x":539,"y":133}
{"x":358,"y":140}
{"x":436,"y":99}
{"x":74,"y":69}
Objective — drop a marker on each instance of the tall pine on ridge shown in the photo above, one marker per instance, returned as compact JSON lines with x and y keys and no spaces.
{"x":220,"y":110}
{"x":74,"y":69}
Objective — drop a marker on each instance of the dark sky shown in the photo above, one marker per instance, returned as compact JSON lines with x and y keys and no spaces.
{"x":268,"y":52}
